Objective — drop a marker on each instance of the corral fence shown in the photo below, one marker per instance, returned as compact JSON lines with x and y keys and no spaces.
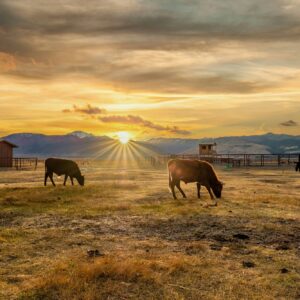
{"x":21,"y":163}
{"x":233,"y":160}
{"x":18,"y":163}
{"x":160,"y":161}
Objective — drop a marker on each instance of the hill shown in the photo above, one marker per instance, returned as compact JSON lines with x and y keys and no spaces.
{"x":82,"y":144}
{"x":262,"y":144}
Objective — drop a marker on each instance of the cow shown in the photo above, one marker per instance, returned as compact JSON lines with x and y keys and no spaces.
{"x":198,"y":171}
{"x":60,"y":167}
{"x":297,"y":168}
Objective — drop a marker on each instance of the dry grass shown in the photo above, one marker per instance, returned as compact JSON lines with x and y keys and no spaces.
{"x":153,"y":247}
{"x":75,"y":279}
{"x":108,"y":277}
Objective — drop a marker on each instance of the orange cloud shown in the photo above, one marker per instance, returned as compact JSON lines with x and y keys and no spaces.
{"x":137,"y":120}
{"x":129,"y":119}
{"x":7,"y":62}
{"x":88,"y":110}
{"x":289,"y":123}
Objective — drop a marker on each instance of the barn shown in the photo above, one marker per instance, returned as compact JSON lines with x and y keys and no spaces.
{"x":6,"y":154}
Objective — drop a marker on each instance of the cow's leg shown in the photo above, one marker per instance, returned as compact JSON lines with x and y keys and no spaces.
{"x":51,"y":178}
{"x":172,"y":186}
{"x":66,"y":177}
{"x":210,"y":193}
{"x":46,"y":177}
{"x":72,"y":180}
{"x":179,"y":188}
{"x":198,"y":189}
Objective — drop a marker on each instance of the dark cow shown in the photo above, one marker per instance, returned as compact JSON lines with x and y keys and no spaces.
{"x":297,"y":166}
{"x":197,"y":171}
{"x":60,"y":167}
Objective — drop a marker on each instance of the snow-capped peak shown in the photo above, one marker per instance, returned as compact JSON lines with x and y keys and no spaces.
{"x":81,"y":134}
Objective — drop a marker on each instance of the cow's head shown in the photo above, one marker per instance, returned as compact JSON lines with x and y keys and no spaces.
{"x":217,"y":189}
{"x":80,"y":180}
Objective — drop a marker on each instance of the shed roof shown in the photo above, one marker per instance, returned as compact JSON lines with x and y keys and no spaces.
{"x":208,"y":144}
{"x":8,"y":143}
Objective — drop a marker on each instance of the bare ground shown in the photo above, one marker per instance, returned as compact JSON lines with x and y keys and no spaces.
{"x":151,"y":247}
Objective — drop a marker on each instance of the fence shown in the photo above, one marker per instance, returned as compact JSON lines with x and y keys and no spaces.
{"x":25,"y":163}
{"x":234,"y":160}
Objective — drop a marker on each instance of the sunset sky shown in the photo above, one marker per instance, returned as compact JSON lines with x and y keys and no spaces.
{"x":159,"y":68}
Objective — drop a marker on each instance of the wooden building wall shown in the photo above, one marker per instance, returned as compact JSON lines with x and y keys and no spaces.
{"x":206,"y":149}
{"x":6,"y":155}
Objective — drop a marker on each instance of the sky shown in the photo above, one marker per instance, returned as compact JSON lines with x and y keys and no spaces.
{"x":159,"y":68}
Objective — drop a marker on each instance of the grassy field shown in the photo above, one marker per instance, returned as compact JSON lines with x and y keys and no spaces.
{"x":150,"y":246}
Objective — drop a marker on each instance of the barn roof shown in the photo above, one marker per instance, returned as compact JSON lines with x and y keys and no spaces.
{"x":8,"y":143}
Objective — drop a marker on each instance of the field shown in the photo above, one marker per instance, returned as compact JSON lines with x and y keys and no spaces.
{"x":122,"y":236}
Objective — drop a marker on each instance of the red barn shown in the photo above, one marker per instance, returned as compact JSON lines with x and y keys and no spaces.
{"x":6,"y":154}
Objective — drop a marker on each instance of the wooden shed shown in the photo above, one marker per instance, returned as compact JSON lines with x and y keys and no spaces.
{"x":6,"y":154}
{"x":207,"y":149}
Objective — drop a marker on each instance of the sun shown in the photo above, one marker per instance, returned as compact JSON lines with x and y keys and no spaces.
{"x":123,"y":137}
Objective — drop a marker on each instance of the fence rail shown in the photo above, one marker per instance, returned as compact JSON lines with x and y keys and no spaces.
{"x":234,"y":160}
{"x":25,"y":162}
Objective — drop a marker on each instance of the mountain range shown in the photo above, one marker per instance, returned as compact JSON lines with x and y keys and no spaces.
{"x":82,"y":144}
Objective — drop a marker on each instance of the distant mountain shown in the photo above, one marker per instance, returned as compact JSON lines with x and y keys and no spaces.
{"x":277,"y":143}
{"x":76,"y":144}
{"x":262,"y":144}
{"x":82,"y":144}
{"x":174,"y":146}
{"x":233,"y":145}
{"x":80,"y":134}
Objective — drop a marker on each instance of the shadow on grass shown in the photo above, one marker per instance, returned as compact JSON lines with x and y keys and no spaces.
{"x":278,"y":233}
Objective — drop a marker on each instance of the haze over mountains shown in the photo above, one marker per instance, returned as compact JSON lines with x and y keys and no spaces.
{"x":82,"y":144}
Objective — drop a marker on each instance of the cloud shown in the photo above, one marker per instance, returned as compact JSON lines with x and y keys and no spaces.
{"x":228,"y":19}
{"x":7,"y":62}
{"x":158,"y":46}
{"x":129,"y":119}
{"x":289,"y":123}
{"x":88,"y":110}
{"x":177,"y":80}
{"x":87,"y":41}
{"x":137,"y":120}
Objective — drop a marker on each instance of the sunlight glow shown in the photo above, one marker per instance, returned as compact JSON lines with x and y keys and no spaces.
{"x":123,"y":137}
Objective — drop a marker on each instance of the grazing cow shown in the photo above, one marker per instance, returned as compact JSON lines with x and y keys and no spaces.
{"x":65,"y":167}
{"x":297,"y":166}
{"x":197,"y":171}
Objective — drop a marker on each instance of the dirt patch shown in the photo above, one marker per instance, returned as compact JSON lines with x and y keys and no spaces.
{"x":225,"y":230}
{"x":277,"y":181}
{"x":8,"y":218}
{"x":97,"y":225}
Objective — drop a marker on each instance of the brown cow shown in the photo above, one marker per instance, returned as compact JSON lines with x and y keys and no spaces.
{"x":60,"y":167}
{"x":197,"y":171}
